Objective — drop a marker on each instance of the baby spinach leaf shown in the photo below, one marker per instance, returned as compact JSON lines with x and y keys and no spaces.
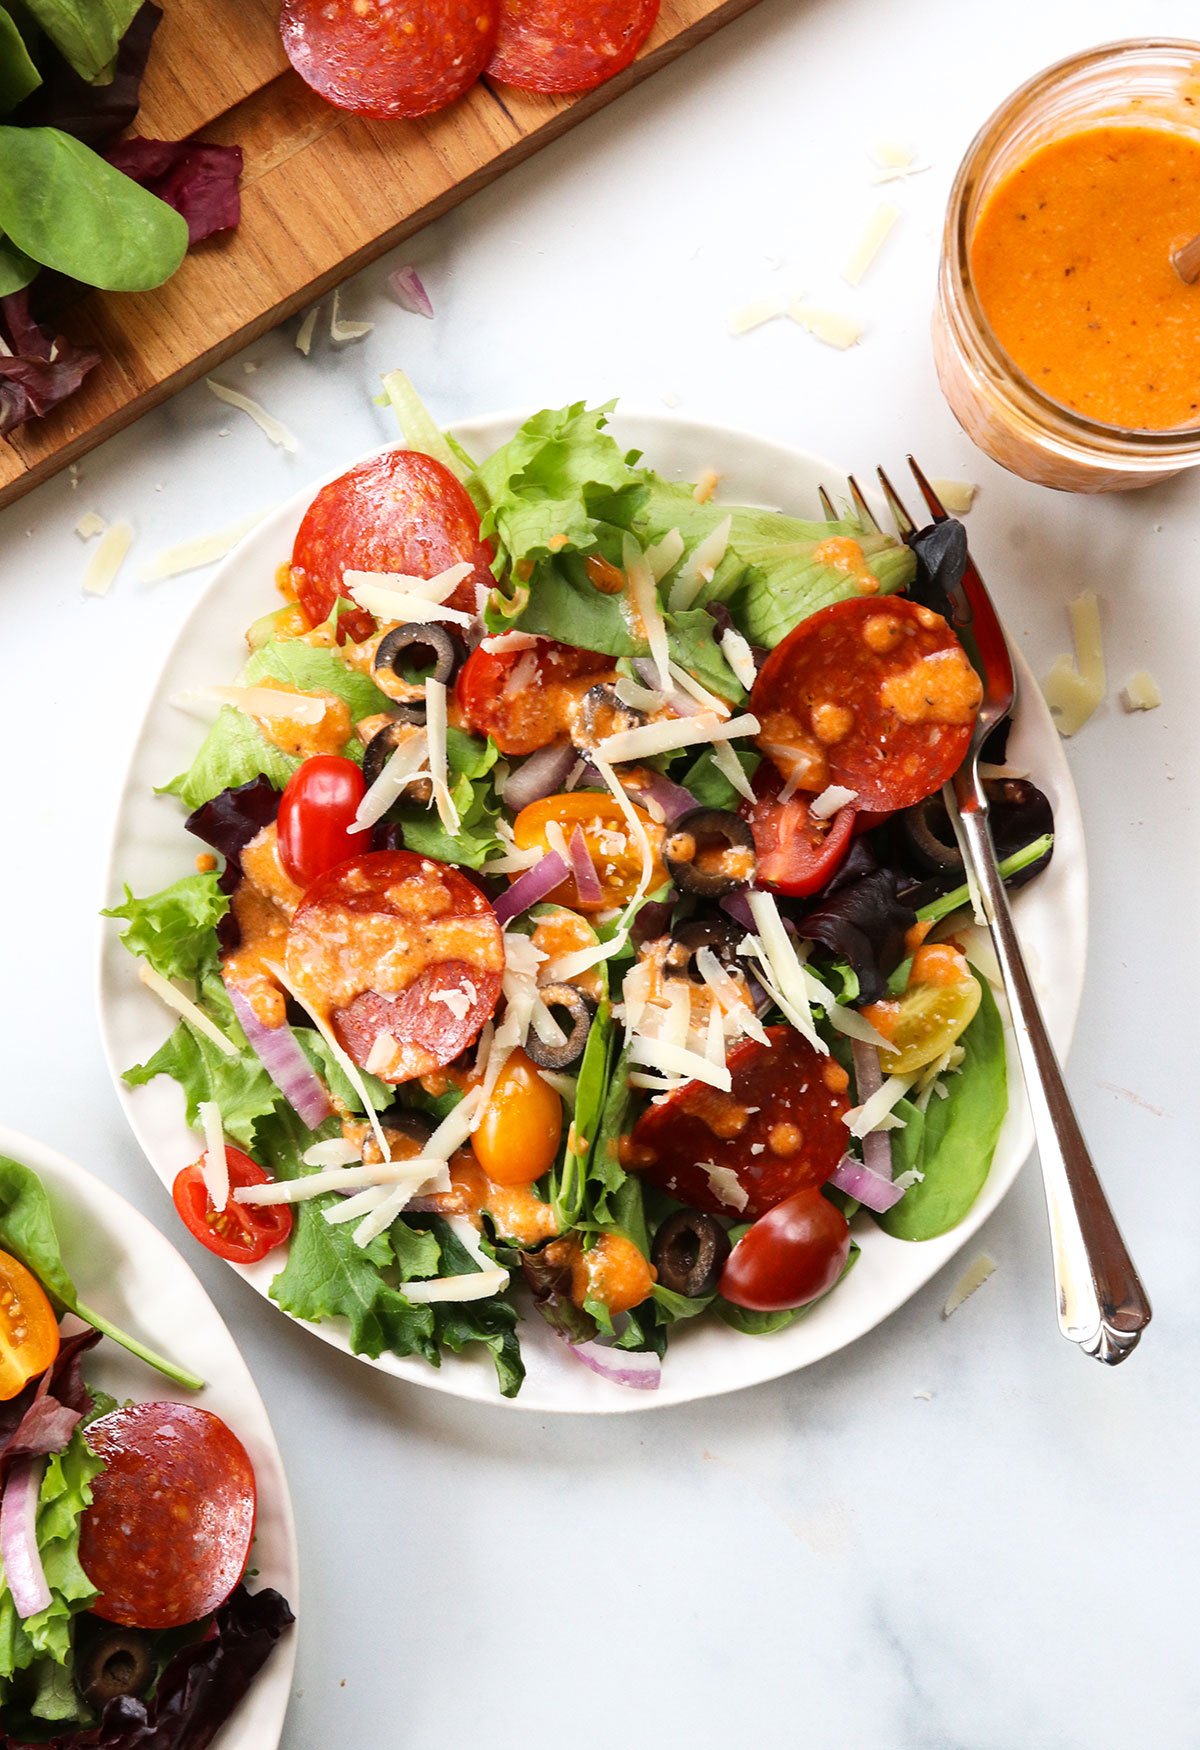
{"x":16,"y":268}
{"x":64,"y":206}
{"x":18,"y":75}
{"x":87,"y":33}
{"x":954,"y":1144}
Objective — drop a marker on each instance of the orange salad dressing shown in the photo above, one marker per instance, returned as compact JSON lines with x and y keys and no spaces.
{"x":1071,"y":258}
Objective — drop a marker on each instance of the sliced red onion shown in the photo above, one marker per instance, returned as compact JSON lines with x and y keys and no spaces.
{"x":409,"y":292}
{"x":531,"y":887}
{"x":672,"y":798}
{"x":540,"y":775}
{"x":587,"y":882}
{"x":867,"y":1187}
{"x":868,"y":1079}
{"x":640,"y":1371}
{"x":680,"y":702}
{"x":18,"y":1537}
{"x":279,"y":1052}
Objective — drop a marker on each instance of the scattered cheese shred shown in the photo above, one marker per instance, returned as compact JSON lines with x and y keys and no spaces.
{"x":731,"y":767}
{"x":266,"y":702}
{"x":739,"y":656}
{"x":693,"y":688}
{"x":183,"y":1005}
{"x":107,"y":559}
{"x":400,"y":769}
{"x":725,"y":1185}
{"x":345,"y":1063}
{"x":1140,"y":692}
{"x":490,"y":1278}
{"x":891,"y":154}
{"x":435,"y":730}
{"x":337,"y":1152}
{"x":192,"y":555}
{"x":348,"y":1178}
{"x":304,"y":334}
{"x":701,"y":567}
{"x":833,"y":797}
{"x":1073,"y":689}
{"x":214,"y":1168}
{"x":649,"y":739}
{"x":90,"y":523}
{"x":879,"y":227}
{"x":873,"y":1113}
{"x":671,"y":1059}
{"x":662,"y":555}
{"x":754,"y":315}
{"x":973,"y":1277}
{"x":379,"y":595}
{"x":956,"y":495}
{"x":829,"y":326}
{"x":643,"y":593}
{"x":266,"y":422}
{"x":777,"y":958}
{"x":341,"y":331}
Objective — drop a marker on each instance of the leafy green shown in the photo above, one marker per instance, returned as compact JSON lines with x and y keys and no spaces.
{"x":234,"y":751}
{"x":553,"y":481}
{"x":27,"y":1232}
{"x":16,"y":268}
{"x":87,"y":33}
{"x":240,"y":1085}
{"x":174,"y":929}
{"x":314,"y":670}
{"x":591,"y":1087}
{"x":693,"y":637}
{"x":954,"y":1145}
{"x":66,"y":207}
{"x":946,"y":903}
{"x":476,"y":839}
{"x":762,"y":1324}
{"x":18,"y":75}
{"x":316,"y":1049}
{"x":710,"y":786}
{"x":492,"y":1322}
{"x":565,"y":604}
{"x":65,"y":1493}
{"x":419,"y":429}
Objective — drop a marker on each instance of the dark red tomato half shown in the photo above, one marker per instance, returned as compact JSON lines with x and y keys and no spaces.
{"x":795,"y":852}
{"x":315,"y":816}
{"x":525,"y":699}
{"x":793,"y":1254}
{"x":241,"y":1232}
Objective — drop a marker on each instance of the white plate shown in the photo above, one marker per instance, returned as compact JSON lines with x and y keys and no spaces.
{"x":125,"y":1269}
{"x":150,"y":849}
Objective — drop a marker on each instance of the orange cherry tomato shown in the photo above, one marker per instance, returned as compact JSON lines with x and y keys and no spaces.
{"x":518,"y":1137}
{"x":613,"y":1272}
{"x":611,"y":845}
{"x":28,"y":1327}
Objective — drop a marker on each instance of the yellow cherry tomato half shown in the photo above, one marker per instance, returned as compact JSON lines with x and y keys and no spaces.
{"x":611,"y":844}
{"x":28,"y":1327}
{"x":517,"y":1139}
{"x":939,"y":1003}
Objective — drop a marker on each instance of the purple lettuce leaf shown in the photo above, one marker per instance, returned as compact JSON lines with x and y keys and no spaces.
{"x":96,"y":114}
{"x":198,"y":179}
{"x":38,"y":369}
{"x":43,"y":1417}
{"x":228,"y":823}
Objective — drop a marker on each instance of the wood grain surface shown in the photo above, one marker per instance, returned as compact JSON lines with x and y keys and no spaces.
{"x":323,"y":193}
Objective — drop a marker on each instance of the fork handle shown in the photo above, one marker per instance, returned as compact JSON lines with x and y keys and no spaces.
{"x":1102,"y":1305}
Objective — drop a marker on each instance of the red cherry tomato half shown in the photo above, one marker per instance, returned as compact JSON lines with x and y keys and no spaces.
{"x":793,"y":1254}
{"x":796,"y":853}
{"x":241,"y":1232}
{"x":315,"y":816}
{"x":168,"y":1533}
{"x":525,"y":699}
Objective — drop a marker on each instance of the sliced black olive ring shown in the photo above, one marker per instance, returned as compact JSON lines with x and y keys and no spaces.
{"x":720,"y":934}
{"x":689,"y":1253}
{"x":930,"y":837}
{"x":439,"y":645}
{"x":710,"y":852}
{"x":579,"y":1013}
{"x":114,"y":1662}
{"x":603,"y":712}
{"x":385,"y":741}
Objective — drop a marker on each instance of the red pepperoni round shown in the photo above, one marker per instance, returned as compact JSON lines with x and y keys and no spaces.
{"x":875,"y":694}
{"x":389,"y":57}
{"x":525,"y":699}
{"x":402,"y":511}
{"x":168,"y":1534}
{"x":393,"y":946}
{"x":779,"y":1130}
{"x":568,"y":45}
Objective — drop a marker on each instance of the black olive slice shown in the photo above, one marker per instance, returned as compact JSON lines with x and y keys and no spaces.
{"x":1018,"y":813}
{"x":579,"y":1013}
{"x":416,"y":1127}
{"x":385,"y":741}
{"x":113,"y":1662}
{"x":430,"y":643}
{"x":720,"y":934}
{"x":603,"y":712}
{"x":689,"y":1253}
{"x":709,"y":852}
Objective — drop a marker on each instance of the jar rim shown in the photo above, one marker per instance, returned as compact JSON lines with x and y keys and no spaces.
{"x":1064,"y":422}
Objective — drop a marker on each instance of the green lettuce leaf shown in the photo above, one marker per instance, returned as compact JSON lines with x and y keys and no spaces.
{"x":234,"y":751}
{"x":175,"y":929}
{"x":313,"y":669}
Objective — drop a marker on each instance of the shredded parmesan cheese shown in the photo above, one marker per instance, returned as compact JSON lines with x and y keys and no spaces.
{"x":644,"y":595}
{"x":344,"y":1062}
{"x":725,"y":1185}
{"x":973,"y":1277}
{"x":739,"y":656}
{"x":754,"y":315}
{"x":878,"y":229}
{"x":271,"y":427}
{"x":392,"y":596}
{"x":183,"y":1005}
{"x":192,"y":555}
{"x":833,"y":797}
{"x":304,"y":334}
{"x":701,"y":567}
{"x":1140,"y":692}
{"x":1073,"y":690}
{"x":268,"y":702}
{"x":435,"y":729}
{"x":829,"y":326}
{"x":662,"y":555}
{"x":956,"y":495}
{"x":214,"y":1168}
{"x":337,"y":1152}
{"x":653,"y":738}
{"x":107,"y":559}
{"x":90,"y":523}
{"x":701,"y":694}
{"x":341,"y":331}
{"x":401,"y":768}
{"x":660,"y":1054}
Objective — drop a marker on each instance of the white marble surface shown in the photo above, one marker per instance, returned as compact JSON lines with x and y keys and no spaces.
{"x":839,"y":1559}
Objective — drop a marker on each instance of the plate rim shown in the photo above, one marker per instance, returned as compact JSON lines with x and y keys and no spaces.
{"x":66,"y":1174}
{"x":454,"y":1378}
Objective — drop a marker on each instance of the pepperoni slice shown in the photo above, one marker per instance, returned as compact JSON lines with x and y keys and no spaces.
{"x":525,"y":699}
{"x":795,"y":852}
{"x":389,"y":57}
{"x":568,"y":45}
{"x":873,"y":694}
{"x":402,"y":511}
{"x":403,"y":956}
{"x":168,"y":1534}
{"x":779,"y":1130}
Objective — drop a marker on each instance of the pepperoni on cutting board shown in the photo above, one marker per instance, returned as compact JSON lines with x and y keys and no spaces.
{"x":402,"y":511}
{"x":777,"y":1131}
{"x":568,"y":45}
{"x":389,"y":57}
{"x":402,"y":956}
{"x":168,"y":1534}
{"x":875,"y":694}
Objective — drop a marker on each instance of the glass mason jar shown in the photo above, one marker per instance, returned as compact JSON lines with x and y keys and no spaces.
{"x":997,"y":405}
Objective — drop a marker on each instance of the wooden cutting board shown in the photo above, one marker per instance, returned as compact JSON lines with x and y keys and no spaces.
{"x":323,"y":193}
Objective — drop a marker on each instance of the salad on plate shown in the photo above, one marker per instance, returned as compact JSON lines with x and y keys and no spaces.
{"x":578,"y":925}
{"x":126,"y":1530}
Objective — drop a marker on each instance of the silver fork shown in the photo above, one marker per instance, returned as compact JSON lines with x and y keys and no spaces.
{"x":1102,"y":1305}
